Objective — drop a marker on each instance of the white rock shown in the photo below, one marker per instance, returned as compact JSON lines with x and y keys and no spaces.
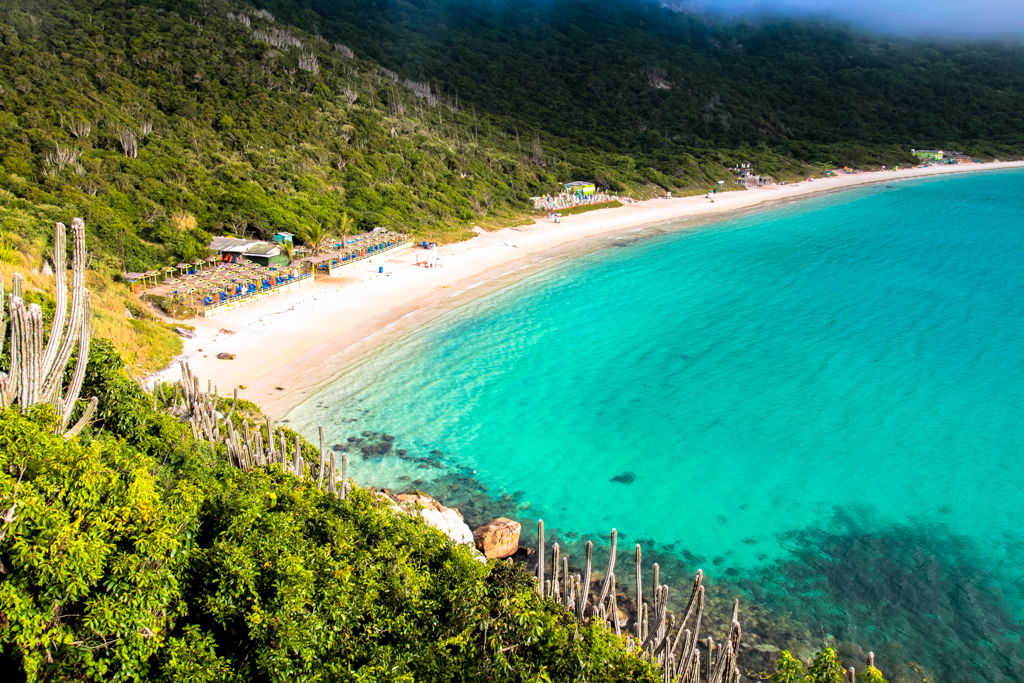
{"x":447,"y":520}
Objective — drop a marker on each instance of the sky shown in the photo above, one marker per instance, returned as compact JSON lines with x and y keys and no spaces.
{"x":951,"y":18}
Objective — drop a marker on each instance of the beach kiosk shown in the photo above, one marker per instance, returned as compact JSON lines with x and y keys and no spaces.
{"x":234,"y":250}
{"x":266,"y":255}
{"x":580,"y":188}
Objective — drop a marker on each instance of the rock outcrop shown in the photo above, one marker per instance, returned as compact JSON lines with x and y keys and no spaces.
{"x":447,"y":520}
{"x":498,"y":538}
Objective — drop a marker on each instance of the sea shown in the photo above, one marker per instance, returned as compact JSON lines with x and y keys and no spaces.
{"x":819,"y":404}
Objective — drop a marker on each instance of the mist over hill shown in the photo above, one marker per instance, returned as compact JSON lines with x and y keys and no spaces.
{"x":640,"y":77}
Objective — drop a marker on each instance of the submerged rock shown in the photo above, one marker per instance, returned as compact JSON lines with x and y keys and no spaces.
{"x":624,"y":478}
{"x":376,"y":449}
{"x":498,"y":538}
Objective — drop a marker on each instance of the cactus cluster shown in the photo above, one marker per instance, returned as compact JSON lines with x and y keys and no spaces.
{"x":37,"y":369}
{"x":249,"y":445}
{"x":672,"y":642}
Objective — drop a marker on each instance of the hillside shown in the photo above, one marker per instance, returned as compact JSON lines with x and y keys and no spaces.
{"x":162,"y":123}
{"x":635,"y":77}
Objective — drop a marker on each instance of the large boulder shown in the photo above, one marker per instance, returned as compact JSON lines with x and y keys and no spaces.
{"x":498,"y":538}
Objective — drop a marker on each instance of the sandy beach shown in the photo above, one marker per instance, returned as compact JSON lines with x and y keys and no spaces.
{"x":287,"y":347}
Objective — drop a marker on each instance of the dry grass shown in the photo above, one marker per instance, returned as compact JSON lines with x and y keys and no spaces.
{"x":145,"y":342}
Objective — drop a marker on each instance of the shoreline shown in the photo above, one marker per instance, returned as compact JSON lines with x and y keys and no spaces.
{"x":286,"y":348}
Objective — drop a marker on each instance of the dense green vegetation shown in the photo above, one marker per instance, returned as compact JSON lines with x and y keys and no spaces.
{"x":136,"y":552}
{"x":161,"y":123}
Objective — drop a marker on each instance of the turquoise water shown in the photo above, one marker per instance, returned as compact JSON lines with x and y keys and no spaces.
{"x":819,"y":404}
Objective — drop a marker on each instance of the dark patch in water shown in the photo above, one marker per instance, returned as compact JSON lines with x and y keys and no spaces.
{"x":919,"y":596}
{"x":692,"y":559}
{"x":624,"y":478}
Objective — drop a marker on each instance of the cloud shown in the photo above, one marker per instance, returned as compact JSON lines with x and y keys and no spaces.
{"x":954,"y":18}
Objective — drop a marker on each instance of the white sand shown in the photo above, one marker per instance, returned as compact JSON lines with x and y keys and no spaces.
{"x":288,"y":346}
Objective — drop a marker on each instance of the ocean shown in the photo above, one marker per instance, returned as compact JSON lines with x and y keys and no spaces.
{"x":819,"y":404}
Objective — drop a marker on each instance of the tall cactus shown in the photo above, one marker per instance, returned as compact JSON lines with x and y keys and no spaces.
{"x":37,"y":369}
{"x":671,"y":641}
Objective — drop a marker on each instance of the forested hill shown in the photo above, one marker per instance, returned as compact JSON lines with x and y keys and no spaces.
{"x":162,"y":122}
{"x":633,"y":75}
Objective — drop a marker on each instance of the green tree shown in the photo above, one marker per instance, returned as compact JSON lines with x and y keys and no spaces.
{"x":788,"y":669}
{"x":315,"y":237}
{"x":826,"y":668}
{"x":345,"y":224}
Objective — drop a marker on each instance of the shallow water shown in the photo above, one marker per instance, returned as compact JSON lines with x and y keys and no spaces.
{"x":818,"y":404}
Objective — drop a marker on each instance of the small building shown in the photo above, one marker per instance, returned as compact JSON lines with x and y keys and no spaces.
{"x":580,"y":187}
{"x":265,"y":254}
{"x":230,"y":249}
{"x":235,"y":250}
{"x":284,"y":238}
{"x":928,"y":154}
{"x":746,"y":177}
{"x":755,"y":181}
{"x":958,"y":158}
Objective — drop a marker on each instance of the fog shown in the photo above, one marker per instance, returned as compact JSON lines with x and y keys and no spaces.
{"x":949,"y":18}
